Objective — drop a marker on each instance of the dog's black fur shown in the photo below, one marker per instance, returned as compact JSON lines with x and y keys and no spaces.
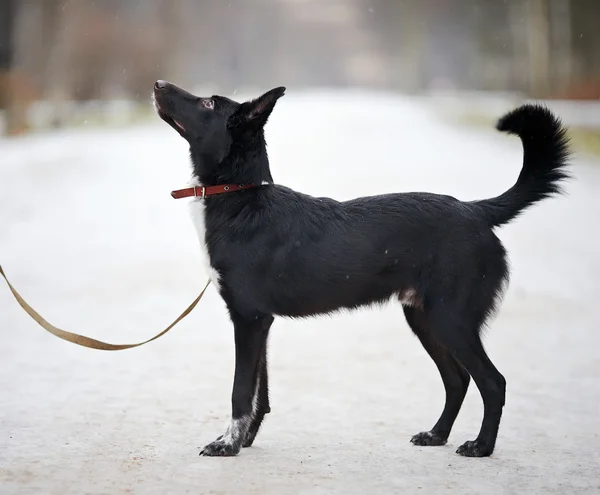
{"x":279,"y":252}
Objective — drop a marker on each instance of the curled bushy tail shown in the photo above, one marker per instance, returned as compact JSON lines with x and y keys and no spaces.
{"x":546,"y":153}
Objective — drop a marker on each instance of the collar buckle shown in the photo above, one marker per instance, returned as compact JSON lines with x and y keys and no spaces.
{"x":202,"y":194}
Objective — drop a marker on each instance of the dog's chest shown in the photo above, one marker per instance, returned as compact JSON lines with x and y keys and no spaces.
{"x":198,"y":217}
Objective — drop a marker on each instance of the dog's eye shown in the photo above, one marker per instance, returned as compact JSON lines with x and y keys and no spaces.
{"x":207,"y":103}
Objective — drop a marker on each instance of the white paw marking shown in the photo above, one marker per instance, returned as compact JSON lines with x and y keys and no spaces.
{"x":236,"y":430}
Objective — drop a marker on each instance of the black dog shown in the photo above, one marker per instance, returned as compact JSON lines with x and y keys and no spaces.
{"x":276,"y":252}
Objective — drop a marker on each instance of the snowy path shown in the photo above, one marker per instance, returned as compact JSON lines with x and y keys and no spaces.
{"x":92,"y":239}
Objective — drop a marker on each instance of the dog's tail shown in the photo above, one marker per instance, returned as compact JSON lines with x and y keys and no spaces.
{"x":546,"y":153}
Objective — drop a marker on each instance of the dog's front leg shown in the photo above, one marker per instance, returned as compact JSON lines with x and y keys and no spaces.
{"x":260,"y":401}
{"x":250,"y":339}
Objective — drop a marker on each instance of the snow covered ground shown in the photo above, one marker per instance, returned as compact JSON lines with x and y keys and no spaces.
{"x":91,"y":237}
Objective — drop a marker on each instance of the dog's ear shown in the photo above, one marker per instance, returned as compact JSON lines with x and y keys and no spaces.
{"x":257,"y":111}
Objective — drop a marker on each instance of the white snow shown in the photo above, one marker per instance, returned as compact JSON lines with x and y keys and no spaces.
{"x":92,"y":239}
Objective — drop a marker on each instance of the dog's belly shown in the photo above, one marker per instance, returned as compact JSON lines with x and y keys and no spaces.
{"x":298,"y":299}
{"x":197,"y":213}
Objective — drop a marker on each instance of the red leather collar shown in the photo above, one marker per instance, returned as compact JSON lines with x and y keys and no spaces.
{"x":203,"y":192}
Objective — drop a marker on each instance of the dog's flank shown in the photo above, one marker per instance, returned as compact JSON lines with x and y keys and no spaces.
{"x":277,"y":252}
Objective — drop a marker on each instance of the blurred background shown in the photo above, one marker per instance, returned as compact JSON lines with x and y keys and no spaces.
{"x":383,"y":96}
{"x":69,"y":61}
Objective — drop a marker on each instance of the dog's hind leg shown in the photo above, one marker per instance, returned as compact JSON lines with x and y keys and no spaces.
{"x":250,"y":340}
{"x":260,"y":401}
{"x":461,"y":338}
{"x":455,"y":378}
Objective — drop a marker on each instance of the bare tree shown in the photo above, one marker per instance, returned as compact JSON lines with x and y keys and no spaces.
{"x":539,"y":47}
{"x":8,"y":87}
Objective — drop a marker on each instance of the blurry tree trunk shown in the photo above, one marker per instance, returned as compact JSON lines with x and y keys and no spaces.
{"x":49,"y":26}
{"x":585,"y":49}
{"x":560,"y":22}
{"x":6,"y":36}
{"x":399,"y":26}
{"x":172,"y":15}
{"x":9,"y":101}
{"x":539,"y":47}
{"x":413,"y":44}
{"x":517,"y":13}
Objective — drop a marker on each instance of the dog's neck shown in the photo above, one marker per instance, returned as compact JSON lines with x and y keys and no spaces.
{"x":236,"y":168}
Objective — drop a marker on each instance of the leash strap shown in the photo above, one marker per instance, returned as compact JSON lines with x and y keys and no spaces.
{"x":87,"y":341}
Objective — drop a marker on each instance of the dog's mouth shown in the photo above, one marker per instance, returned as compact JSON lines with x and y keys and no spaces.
{"x":171,"y":121}
{"x":165,"y":116}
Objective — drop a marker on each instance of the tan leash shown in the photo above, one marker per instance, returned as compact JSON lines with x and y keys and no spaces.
{"x":87,"y":341}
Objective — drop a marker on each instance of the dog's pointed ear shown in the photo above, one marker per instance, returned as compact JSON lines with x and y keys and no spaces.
{"x":258,"y":110}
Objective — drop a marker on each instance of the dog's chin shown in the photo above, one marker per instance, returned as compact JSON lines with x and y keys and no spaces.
{"x":167,"y":118}
{"x":172,"y":122}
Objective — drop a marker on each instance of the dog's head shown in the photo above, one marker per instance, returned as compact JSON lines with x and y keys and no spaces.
{"x":226,"y":138}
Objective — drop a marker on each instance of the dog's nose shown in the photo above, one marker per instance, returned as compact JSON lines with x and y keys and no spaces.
{"x":160,"y":84}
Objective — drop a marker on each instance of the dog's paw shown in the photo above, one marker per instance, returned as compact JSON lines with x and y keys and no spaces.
{"x":250,"y":436}
{"x":249,"y":440}
{"x":426,"y":438}
{"x":220,"y":448}
{"x":474,"y":448}
{"x":253,"y":430}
